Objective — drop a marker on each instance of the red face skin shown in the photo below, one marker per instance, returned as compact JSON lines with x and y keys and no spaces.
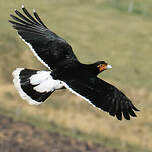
{"x":102,"y":67}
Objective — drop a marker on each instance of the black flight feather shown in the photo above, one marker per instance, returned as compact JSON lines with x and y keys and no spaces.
{"x":55,"y":53}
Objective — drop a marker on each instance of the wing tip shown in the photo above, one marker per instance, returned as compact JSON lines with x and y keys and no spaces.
{"x":127,"y":112}
{"x":34,"y":11}
{"x":23,"y":6}
{"x":134,"y":108}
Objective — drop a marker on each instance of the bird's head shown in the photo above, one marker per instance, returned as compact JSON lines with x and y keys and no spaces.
{"x":101,"y":66}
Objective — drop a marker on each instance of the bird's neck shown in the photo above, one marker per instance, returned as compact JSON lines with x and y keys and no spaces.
{"x":92,"y":69}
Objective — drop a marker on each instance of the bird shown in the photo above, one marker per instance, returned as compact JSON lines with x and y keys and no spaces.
{"x":65,"y":71}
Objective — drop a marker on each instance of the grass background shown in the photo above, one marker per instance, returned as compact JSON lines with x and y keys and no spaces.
{"x":119,"y":32}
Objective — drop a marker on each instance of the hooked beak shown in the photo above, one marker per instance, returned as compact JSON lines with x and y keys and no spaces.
{"x":108,"y":66}
{"x":104,"y":67}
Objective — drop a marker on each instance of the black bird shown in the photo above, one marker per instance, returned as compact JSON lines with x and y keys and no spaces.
{"x":65,"y":71}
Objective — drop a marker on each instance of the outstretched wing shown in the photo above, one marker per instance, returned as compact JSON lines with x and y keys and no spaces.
{"x":49,"y":48}
{"x":103,"y":96}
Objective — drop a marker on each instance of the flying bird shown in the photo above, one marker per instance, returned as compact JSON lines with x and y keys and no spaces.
{"x":65,"y":70}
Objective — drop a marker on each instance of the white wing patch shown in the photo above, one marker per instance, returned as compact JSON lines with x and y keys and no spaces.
{"x":45,"y":82}
{"x":40,"y":77}
{"x":34,"y":52}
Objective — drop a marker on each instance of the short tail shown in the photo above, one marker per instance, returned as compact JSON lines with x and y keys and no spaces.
{"x":35,"y":86}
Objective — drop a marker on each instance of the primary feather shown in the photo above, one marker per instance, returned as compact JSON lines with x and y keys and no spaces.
{"x":66,"y":71}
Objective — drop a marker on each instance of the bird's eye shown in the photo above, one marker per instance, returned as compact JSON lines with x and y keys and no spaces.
{"x":99,"y":65}
{"x":102,"y":67}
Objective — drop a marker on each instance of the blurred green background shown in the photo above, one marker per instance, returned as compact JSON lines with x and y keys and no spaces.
{"x":116,"y":31}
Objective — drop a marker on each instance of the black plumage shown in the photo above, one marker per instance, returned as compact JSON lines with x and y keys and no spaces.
{"x":29,"y":89}
{"x":51,"y":48}
{"x":79,"y":78}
